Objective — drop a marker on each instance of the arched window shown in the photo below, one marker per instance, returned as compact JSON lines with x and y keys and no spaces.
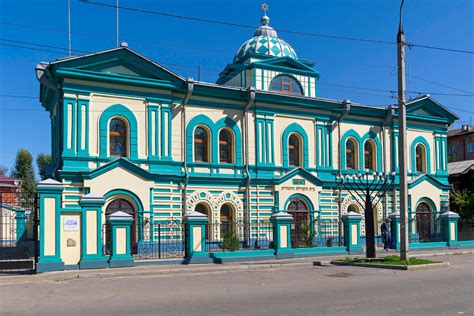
{"x":294,"y":150}
{"x":225,"y":147}
{"x":118,"y":138}
{"x":420,"y":153}
{"x":201,"y":145}
{"x":285,"y":84}
{"x":351,"y":154}
{"x":369,"y":155}
{"x":227,"y":221}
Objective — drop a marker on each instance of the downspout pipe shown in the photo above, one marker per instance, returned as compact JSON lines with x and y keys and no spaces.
{"x":250,"y":101}
{"x":346,"y":104}
{"x":187,"y":96}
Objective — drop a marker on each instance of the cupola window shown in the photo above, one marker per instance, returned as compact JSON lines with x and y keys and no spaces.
{"x":286,"y":85}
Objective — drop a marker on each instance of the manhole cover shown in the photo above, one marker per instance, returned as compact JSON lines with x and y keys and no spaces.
{"x":339,"y":275}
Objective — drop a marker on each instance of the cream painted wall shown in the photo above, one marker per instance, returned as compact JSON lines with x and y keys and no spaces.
{"x":91,"y":230}
{"x":283,"y":236}
{"x":121,"y":243}
{"x":120,"y":178}
{"x":423,"y":190}
{"x":70,"y":253}
{"x":281,"y":122}
{"x":197,"y":238}
{"x":287,"y":189}
{"x":429,"y":136}
{"x":49,"y":226}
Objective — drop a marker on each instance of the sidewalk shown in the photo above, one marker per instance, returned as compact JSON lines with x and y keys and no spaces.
{"x":163,"y":270}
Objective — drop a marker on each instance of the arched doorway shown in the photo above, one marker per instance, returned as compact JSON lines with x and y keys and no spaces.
{"x":301,"y":227}
{"x":122,"y":205}
{"x":423,"y":221}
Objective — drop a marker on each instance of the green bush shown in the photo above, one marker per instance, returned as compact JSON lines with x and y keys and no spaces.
{"x":231,"y":241}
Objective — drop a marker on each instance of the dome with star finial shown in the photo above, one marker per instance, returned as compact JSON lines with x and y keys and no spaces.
{"x":265,"y":42}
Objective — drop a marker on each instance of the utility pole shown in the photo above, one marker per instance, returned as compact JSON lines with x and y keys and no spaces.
{"x":117,"y":23}
{"x":402,"y":143}
{"x":69,"y":27}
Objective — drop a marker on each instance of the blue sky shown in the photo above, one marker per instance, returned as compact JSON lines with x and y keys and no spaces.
{"x":443,"y":23}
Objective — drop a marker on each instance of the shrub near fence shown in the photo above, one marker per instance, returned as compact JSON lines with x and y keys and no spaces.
{"x":324,"y":234}
{"x":233,"y":236}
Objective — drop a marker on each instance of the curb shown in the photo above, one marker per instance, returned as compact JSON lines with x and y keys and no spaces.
{"x":246,"y":267}
{"x":393,"y":267}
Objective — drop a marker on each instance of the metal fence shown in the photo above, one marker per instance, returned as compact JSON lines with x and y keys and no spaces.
{"x":19,"y":222}
{"x":324,"y":233}
{"x":232,"y":236}
{"x":466,"y":229}
{"x":424,"y":231}
{"x":152,"y":241}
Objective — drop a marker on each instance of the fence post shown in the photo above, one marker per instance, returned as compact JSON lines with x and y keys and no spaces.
{"x":50,"y":195}
{"x":195,"y":238}
{"x":449,"y":220}
{"x":120,"y":253}
{"x":351,"y":222}
{"x":282,"y":234}
{"x":395,"y":228}
{"x":92,"y":243}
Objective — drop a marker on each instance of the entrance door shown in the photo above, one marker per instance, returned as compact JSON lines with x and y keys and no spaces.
{"x":301,"y":228}
{"x":126,"y":207}
{"x":423,"y":221}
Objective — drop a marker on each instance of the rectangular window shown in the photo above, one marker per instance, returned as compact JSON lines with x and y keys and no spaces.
{"x":470,"y":148}
{"x":453,"y":149}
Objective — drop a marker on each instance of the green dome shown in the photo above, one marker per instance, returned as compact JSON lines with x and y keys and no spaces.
{"x":265,"y":41}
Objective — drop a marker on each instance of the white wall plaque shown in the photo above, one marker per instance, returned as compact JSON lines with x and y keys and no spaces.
{"x":71,"y":224}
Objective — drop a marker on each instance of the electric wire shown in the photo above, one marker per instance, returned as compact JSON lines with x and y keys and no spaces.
{"x":196,"y":19}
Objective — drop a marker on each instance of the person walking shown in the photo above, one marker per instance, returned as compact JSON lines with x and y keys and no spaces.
{"x":385,"y":229}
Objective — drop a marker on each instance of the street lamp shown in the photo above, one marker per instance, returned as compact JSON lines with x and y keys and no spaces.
{"x":369,"y":187}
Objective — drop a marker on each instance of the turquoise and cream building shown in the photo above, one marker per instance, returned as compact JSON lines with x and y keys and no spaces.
{"x":130,"y":135}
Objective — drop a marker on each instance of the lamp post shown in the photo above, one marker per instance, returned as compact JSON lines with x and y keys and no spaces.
{"x":370,"y":188}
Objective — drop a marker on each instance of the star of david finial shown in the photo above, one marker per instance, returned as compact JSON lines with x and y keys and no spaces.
{"x":264,"y":8}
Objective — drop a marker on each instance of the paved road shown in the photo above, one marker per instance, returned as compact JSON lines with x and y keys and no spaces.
{"x":298,"y":291}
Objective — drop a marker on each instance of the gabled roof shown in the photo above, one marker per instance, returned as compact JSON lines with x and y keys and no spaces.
{"x":430,"y":179}
{"x":300,"y":172}
{"x":425,"y":106}
{"x":119,"y":163}
{"x":285,"y":62}
{"x":120,"y":61}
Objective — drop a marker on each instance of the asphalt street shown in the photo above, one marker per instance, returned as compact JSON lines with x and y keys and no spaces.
{"x":327,"y":290}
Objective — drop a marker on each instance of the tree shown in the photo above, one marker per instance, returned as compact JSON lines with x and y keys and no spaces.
{"x":3,"y":170}
{"x":462,"y":202}
{"x":42,"y":161}
{"x":23,"y":170}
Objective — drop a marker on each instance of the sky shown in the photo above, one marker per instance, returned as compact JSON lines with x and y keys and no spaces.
{"x":181,"y":45}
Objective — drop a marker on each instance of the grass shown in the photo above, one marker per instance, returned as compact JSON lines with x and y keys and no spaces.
{"x":395,"y":260}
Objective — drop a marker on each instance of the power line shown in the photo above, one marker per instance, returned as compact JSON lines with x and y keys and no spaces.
{"x":192,"y":67}
{"x":440,"y":84}
{"x":196,"y":19}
